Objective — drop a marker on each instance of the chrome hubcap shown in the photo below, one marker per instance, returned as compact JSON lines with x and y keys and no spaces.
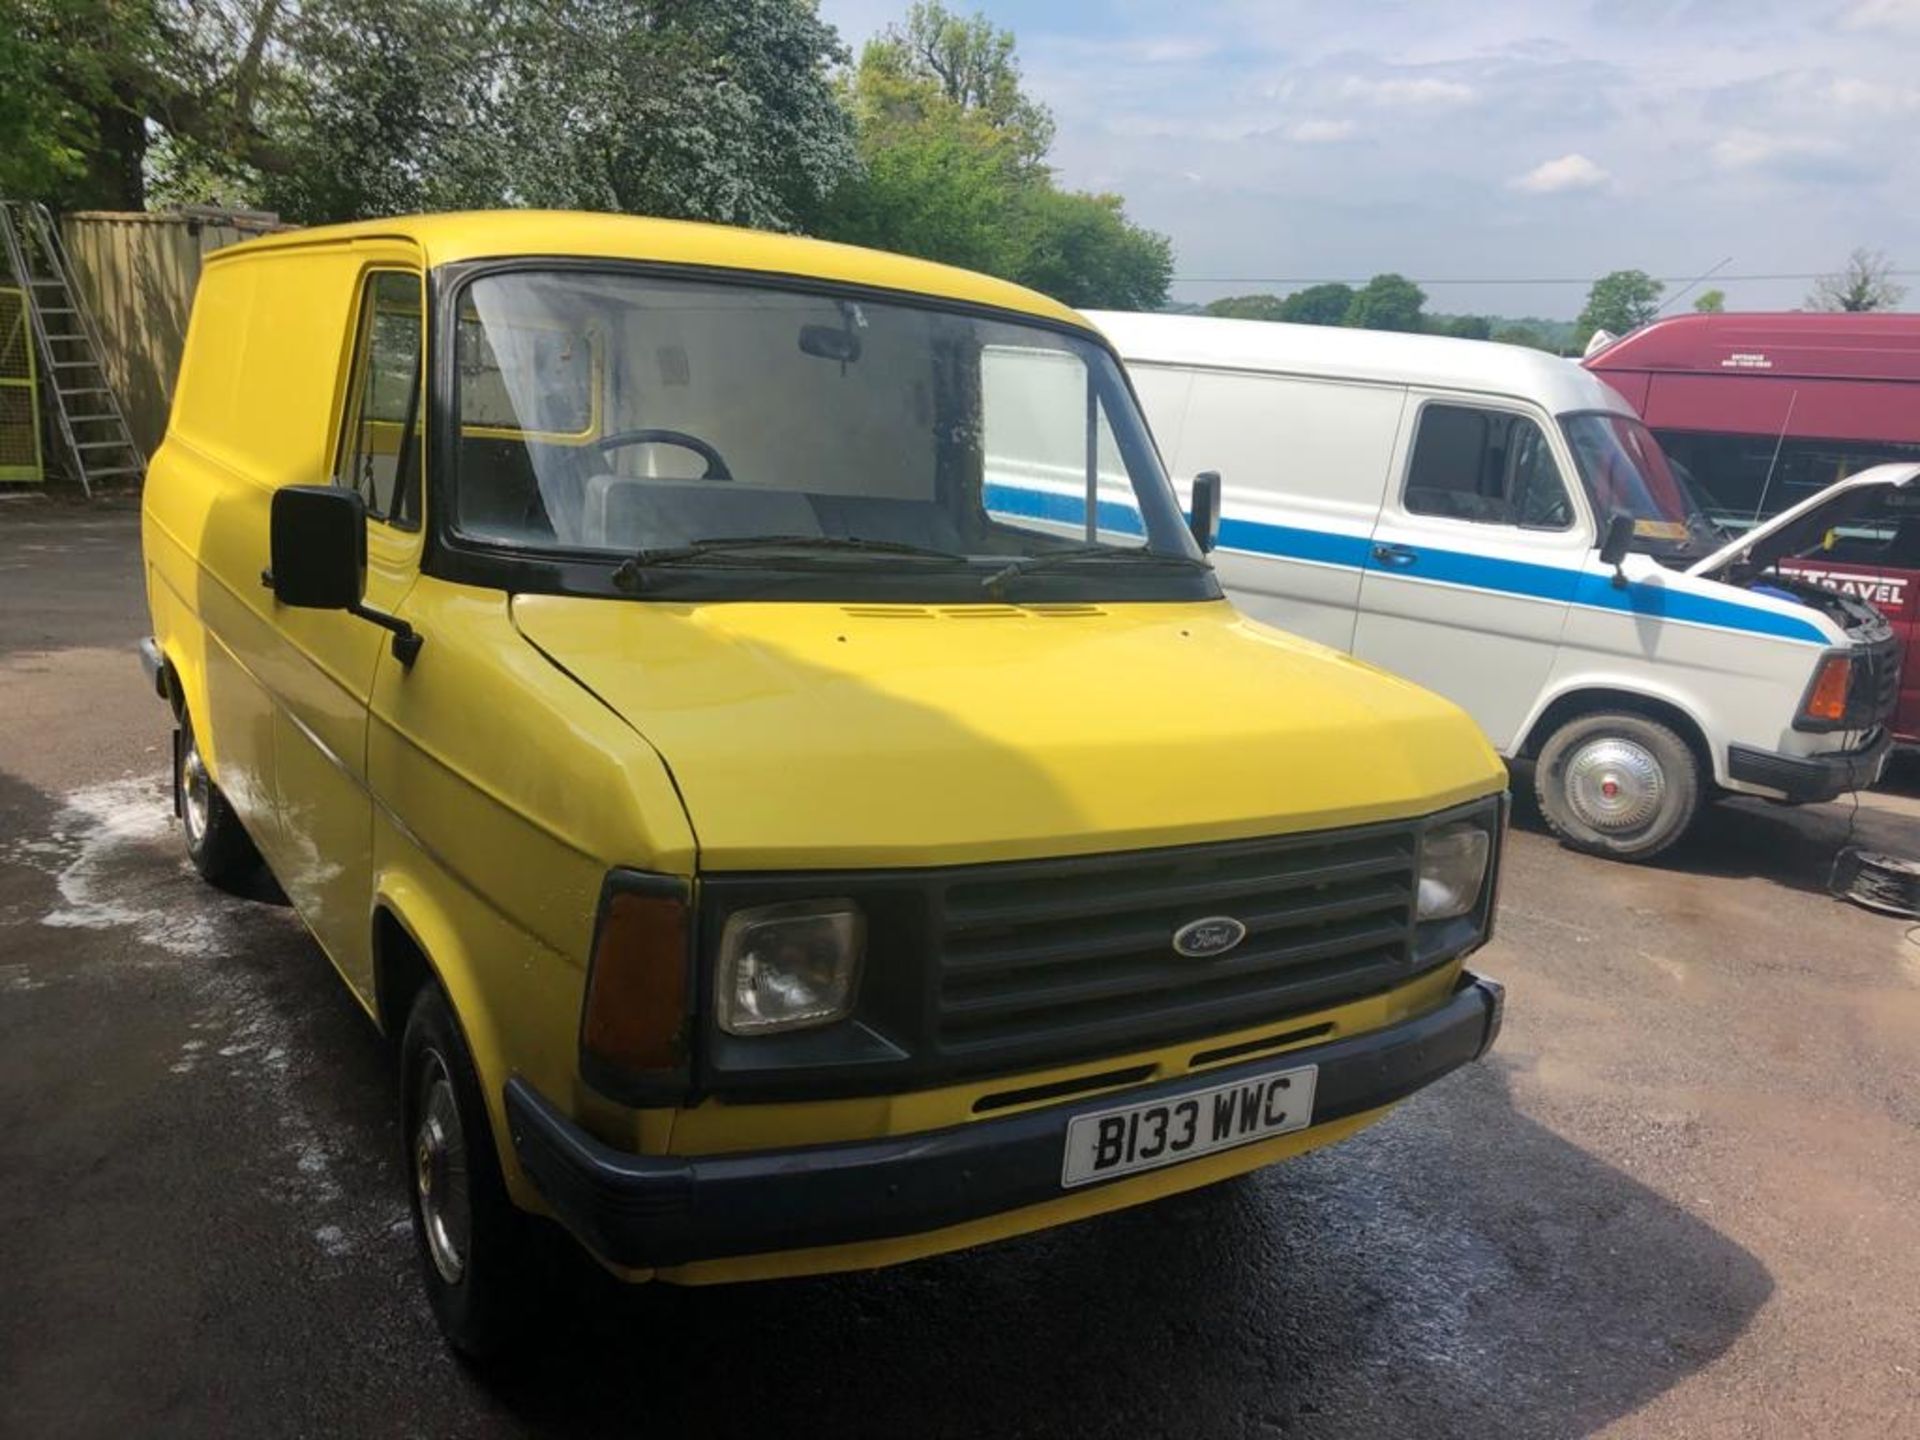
{"x":440,"y":1172}
{"x":1615,"y":785}
{"x":196,"y":790}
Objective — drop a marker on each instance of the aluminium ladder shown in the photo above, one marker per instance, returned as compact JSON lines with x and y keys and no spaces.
{"x":92,"y":428}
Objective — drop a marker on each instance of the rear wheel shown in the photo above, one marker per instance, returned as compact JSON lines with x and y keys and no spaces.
{"x":472,"y":1239}
{"x":1617,"y":784}
{"x":216,"y":842}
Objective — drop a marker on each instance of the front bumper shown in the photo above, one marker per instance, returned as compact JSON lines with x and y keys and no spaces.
{"x":1806,"y":779}
{"x":642,"y":1211}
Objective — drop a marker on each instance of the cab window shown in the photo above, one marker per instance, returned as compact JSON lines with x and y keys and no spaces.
{"x":1885,"y":531}
{"x":1488,"y":466}
{"x":380,"y":453}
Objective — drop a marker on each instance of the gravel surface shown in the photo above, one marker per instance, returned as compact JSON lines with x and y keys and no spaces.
{"x":1679,"y":1200}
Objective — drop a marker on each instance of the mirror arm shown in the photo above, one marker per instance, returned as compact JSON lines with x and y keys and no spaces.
{"x":406,"y":640}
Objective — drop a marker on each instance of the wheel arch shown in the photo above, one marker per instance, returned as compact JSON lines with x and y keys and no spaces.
{"x":416,"y":943}
{"x":1589,"y":699}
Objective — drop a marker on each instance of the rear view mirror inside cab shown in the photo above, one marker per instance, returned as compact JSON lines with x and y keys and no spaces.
{"x":830,"y":343}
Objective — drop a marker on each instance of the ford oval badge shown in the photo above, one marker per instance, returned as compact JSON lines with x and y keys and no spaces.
{"x":1205,"y":938}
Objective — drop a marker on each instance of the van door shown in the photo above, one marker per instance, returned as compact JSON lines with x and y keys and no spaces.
{"x":1474,"y":561}
{"x":321,"y":745}
{"x":1304,"y":464}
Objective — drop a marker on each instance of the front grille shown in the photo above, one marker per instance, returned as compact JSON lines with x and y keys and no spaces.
{"x":1065,"y":957}
{"x":1875,"y":691}
{"x":1007,"y":967}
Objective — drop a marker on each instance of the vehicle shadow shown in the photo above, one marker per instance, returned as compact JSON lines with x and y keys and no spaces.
{"x":1457,"y":1270}
{"x":1790,"y":845}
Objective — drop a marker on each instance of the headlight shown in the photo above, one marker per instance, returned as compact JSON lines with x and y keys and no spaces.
{"x":1453,"y":867}
{"x":789,"y":967}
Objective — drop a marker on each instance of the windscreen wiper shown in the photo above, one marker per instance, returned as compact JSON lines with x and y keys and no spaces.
{"x":627,"y":576}
{"x":1079,"y":554}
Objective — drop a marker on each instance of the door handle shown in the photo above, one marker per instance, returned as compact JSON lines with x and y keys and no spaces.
{"x":1398,"y":556}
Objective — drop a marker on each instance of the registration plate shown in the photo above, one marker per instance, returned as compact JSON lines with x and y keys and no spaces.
{"x":1165,"y":1132}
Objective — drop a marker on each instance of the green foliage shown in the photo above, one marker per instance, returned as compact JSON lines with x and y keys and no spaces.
{"x":1462,"y":327}
{"x":1864,"y":283}
{"x":1618,"y":302}
{"x":966,"y":63}
{"x":46,"y":125}
{"x":1710,"y":302}
{"x":1522,"y":335}
{"x":1327,"y":304}
{"x":1387,"y":302}
{"x":1080,"y":248}
{"x":707,"y":109}
{"x":1246,"y":307}
{"x":724,"y":110}
{"x":952,"y":168}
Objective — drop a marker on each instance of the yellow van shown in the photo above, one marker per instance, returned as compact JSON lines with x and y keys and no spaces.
{"x":750,"y":719}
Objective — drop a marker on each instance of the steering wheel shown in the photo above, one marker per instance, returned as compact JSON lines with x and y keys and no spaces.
{"x":620,"y":439}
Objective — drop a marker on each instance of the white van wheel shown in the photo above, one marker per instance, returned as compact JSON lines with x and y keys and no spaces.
{"x":1617,"y":784}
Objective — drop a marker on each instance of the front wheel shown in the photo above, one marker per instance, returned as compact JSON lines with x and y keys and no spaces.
{"x":472,"y":1239}
{"x":1617,"y":784}
{"x":217,"y":844}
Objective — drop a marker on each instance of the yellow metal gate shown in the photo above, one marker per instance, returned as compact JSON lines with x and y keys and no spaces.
{"x":19,"y":395}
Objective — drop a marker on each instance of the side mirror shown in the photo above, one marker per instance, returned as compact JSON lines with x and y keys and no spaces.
{"x":1205,"y":523}
{"x":1614,"y":547}
{"x":318,"y":541}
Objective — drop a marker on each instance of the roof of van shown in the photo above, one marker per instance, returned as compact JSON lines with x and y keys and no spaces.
{"x":1877,"y":345}
{"x":1381,"y":356}
{"x":495,"y":234}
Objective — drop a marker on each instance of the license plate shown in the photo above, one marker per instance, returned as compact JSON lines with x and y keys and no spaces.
{"x":1165,"y":1132}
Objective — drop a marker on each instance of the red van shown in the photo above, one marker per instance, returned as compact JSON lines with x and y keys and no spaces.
{"x":1759,"y":413}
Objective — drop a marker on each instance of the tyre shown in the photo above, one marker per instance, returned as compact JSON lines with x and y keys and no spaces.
{"x":216,"y":842}
{"x":1617,"y":784}
{"x":472,"y":1239}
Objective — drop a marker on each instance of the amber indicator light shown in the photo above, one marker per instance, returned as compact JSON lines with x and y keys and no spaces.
{"x":1829,"y":698}
{"x":636,"y":1011}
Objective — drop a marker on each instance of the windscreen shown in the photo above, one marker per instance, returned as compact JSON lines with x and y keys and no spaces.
{"x":1624,"y":472}
{"x":624,"y":415}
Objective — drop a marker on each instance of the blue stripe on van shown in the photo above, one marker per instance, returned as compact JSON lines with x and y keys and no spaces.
{"x":1445,"y":567}
{"x":1114,"y":515}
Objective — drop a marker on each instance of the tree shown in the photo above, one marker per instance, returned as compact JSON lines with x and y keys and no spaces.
{"x":952,"y":167}
{"x":1522,"y":335}
{"x":1467,"y":327}
{"x":331,"y":109}
{"x":703,"y":109}
{"x":1710,"y":302}
{"x":1326,"y":304}
{"x":1620,"y":301}
{"x":1079,"y":248}
{"x":1247,"y":307}
{"x":1864,"y":283}
{"x":1387,"y":302}
{"x":972,"y":67}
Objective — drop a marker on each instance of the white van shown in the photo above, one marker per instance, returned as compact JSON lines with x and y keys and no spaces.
{"x":1498,"y":525}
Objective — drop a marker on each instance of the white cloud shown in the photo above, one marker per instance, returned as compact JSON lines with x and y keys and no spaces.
{"x":1554,"y":177}
{"x":1882,"y":15}
{"x":1753,"y":150}
{"x":1421,"y":92}
{"x":1875,"y":98}
{"x":1320,"y":132}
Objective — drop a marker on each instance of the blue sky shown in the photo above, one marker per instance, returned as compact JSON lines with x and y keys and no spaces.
{"x":1335,"y":138}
